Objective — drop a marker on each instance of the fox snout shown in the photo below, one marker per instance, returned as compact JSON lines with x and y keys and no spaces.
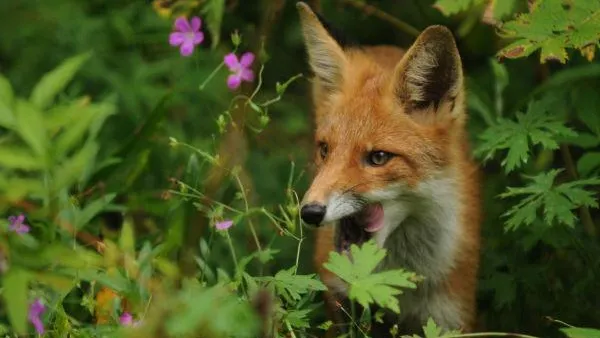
{"x":313,"y":213}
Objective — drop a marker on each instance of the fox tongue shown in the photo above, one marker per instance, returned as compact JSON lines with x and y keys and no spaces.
{"x":374,"y":217}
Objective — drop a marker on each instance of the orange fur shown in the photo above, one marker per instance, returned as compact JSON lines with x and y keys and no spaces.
{"x":370,"y":98}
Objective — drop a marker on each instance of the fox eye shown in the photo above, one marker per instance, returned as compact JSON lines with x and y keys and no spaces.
{"x":323,"y":149}
{"x":378,"y":158}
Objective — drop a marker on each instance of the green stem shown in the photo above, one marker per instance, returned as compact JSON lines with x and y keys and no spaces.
{"x":211,"y":75}
{"x":491,"y":334}
{"x":252,"y":229}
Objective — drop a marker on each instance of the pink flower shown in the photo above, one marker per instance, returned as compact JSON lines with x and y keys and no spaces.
{"x":241,"y":69}
{"x":35,"y":310}
{"x":126,"y":319}
{"x":188,"y":35}
{"x":224,"y":225}
{"x":17,"y":225}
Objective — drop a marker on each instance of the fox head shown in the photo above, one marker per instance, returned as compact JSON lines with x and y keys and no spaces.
{"x":388,"y":124}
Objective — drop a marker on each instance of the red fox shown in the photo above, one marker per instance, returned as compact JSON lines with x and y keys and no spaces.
{"x":393,"y":164}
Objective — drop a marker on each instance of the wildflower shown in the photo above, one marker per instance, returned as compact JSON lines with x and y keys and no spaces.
{"x":17,"y":225}
{"x":224,"y":225}
{"x":188,"y":35}
{"x":35,"y":310}
{"x":240,"y":68}
{"x":126,"y":319}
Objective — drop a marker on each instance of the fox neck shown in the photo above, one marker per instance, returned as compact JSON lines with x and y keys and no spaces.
{"x":423,"y":230}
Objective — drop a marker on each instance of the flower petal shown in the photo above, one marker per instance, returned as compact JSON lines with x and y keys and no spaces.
{"x":187,"y":48}
{"x":12,"y":219}
{"x":126,"y":319}
{"x":227,"y":224}
{"x":22,"y":229}
{"x":21,"y":218}
{"x":198,"y":38}
{"x":182,"y":24}
{"x":196,"y":24}
{"x":176,"y":38}
{"x":231,"y":61}
{"x":247,"y":75}
{"x":247,"y":59}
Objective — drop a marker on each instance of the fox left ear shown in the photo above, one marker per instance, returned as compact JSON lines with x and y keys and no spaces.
{"x":430,"y":73}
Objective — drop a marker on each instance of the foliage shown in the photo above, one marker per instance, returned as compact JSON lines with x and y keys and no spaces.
{"x":365,"y":286}
{"x":123,"y":156}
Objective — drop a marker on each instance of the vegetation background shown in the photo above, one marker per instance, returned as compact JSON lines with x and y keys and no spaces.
{"x":123,"y":155}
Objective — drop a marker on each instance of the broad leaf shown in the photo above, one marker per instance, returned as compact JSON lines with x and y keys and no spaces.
{"x":213,"y":12}
{"x":365,"y":286}
{"x":15,"y":285}
{"x":30,"y":126}
{"x":56,"y":80}
{"x":7,"y":118}
{"x":19,"y":158}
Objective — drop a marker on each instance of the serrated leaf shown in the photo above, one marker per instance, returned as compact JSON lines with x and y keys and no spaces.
{"x":56,"y":80}
{"x":580,"y":332}
{"x":365,"y":286}
{"x":291,"y":286}
{"x":30,"y":126}
{"x":556,"y":202}
{"x":19,"y":158}
{"x":535,"y":127}
{"x":552,"y":26}
{"x":15,"y":285}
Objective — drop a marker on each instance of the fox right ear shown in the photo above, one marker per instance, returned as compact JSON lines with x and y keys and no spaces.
{"x":325,"y":55}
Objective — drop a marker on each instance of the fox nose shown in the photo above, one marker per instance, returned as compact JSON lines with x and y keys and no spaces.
{"x":313,"y":213}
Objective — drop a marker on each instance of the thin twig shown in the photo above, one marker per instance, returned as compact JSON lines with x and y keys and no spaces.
{"x":376,"y":12}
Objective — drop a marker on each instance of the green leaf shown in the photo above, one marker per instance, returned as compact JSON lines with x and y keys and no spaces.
{"x":91,"y":210}
{"x":80,"y":124}
{"x":30,"y":126}
{"x":213,"y":13}
{"x":73,"y":168}
{"x":19,"y":158}
{"x":557,"y":202}
{"x":56,"y":80}
{"x":291,"y":286}
{"x":535,"y":127}
{"x":451,"y":7}
{"x":431,"y":330}
{"x":7,"y":118}
{"x":503,"y":8}
{"x":365,"y":286}
{"x":15,"y":285}
{"x":552,"y":26}
{"x":588,"y":163}
{"x":581,"y":332}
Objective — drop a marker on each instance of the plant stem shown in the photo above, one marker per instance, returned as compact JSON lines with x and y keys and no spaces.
{"x":372,"y":10}
{"x":254,"y":235}
{"x":289,"y":327}
{"x":233,"y":255}
{"x":584,"y":212}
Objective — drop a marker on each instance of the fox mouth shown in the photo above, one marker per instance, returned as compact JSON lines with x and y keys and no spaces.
{"x":359,"y":227}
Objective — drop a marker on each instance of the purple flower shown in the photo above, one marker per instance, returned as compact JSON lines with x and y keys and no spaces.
{"x":188,"y":35}
{"x":127,"y":320}
{"x":240,"y":68}
{"x":224,"y":225}
{"x":17,"y":225}
{"x":35,"y":310}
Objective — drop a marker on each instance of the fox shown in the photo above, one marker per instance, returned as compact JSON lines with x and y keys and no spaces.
{"x":393,"y":164}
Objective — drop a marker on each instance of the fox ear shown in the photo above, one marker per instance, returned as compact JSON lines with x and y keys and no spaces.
{"x":430,"y":73}
{"x":325,"y":54}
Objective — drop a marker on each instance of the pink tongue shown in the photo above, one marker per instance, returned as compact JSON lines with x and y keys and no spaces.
{"x":374,"y":217}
